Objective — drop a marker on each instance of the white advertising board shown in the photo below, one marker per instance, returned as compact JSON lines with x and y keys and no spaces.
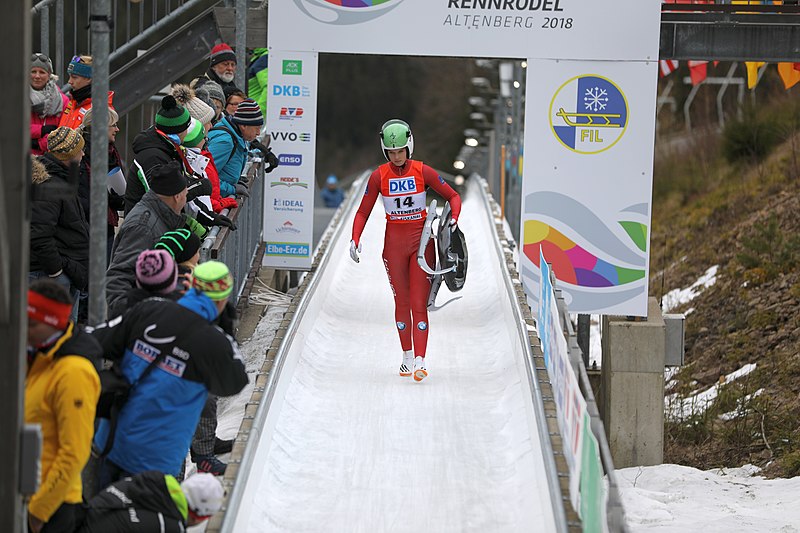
{"x":577,"y":29}
{"x":290,"y":189}
{"x":588,"y":167}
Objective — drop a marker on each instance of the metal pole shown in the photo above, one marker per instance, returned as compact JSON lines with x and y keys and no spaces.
{"x":503,"y":181}
{"x":241,"y":44}
{"x":58,"y":64}
{"x":583,"y":337}
{"x":44,"y":20}
{"x":101,"y":27}
{"x":14,"y":250}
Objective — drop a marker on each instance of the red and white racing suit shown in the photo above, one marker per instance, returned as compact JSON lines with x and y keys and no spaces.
{"x":403,"y":192}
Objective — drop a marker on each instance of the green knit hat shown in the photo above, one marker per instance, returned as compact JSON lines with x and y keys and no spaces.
{"x":172,"y":118}
{"x":214,"y":279}
{"x":196,"y":134}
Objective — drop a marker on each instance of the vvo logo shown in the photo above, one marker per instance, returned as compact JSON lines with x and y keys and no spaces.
{"x":291,"y":160}
{"x":402,"y":185}
{"x":290,"y":90}
{"x":291,"y":113}
{"x":291,"y":136}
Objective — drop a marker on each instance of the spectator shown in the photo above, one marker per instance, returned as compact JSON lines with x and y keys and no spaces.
{"x":228,"y":143}
{"x":156,"y":146}
{"x":152,"y":501}
{"x":115,"y":202}
{"x":258,"y":77}
{"x":197,"y":108}
{"x":332,"y":195}
{"x":184,"y":247}
{"x":80,"y":93}
{"x":154,"y":429}
{"x":59,"y":241}
{"x":159,"y":211}
{"x":212,"y":94}
{"x":221,"y":69}
{"x":61,"y":391}
{"x":234,"y":98}
{"x":156,"y":276}
{"x":47,"y":102}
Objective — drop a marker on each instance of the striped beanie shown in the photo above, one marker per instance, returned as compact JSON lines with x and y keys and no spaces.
{"x":248,"y":113}
{"x":172,"y":118}
{"x":222,"y":52}
{"x":195,"y":135}
{"x":64,"y":143}
{"x":182,"y":244}
{"x":156,"y":272}
{"x":214,"y":279}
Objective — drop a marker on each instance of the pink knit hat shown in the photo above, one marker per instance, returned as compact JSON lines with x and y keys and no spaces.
{"x":156,"y":272}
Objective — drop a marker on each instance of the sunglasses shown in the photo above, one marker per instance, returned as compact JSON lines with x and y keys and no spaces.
{"x":40,"y":57}
{"x":76,"y":59}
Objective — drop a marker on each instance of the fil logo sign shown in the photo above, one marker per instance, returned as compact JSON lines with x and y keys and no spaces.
{"x":402,"y":185}
{"x":292,"y":67}
{"x":291,"y":90}
{"x":290,"y":136}
{"x":589,"y":114}
{"x":291,"y":113}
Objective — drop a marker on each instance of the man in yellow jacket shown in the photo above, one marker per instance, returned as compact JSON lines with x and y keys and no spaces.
{"x":61,"y":392}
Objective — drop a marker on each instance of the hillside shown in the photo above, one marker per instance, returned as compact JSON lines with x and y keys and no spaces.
{"x":733,"y":200}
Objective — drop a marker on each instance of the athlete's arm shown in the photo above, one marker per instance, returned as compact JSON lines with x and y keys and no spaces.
{"x":435,"y":181}
{"x":367,"y":202}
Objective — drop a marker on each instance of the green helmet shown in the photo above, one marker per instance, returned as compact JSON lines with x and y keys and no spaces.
{"x":396,"y":134}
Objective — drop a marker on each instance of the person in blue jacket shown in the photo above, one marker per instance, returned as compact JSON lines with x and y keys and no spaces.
{"x":229,"y":141}
{"x":156,"y":424}
{"x":332,"y":195}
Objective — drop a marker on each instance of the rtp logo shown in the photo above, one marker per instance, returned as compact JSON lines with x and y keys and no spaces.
{"x":402,"y":185}
{"x":345,"y":12}
{"x":291,"y":113}
{"x":589,"y":114}
{"x":290,"y":90}
{"x":292,"y":67}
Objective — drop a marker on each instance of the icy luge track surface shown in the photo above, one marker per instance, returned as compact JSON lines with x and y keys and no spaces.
{"x":352,"y":446}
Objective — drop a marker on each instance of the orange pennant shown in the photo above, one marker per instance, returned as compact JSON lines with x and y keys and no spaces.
{"x":788,"y":74}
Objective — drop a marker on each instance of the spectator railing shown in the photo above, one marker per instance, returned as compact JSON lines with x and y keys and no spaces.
{"x":238,"y":248}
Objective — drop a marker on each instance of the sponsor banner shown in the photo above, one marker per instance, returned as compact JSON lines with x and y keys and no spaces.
{"x":577,"y":29}
{"x":589,"y":136}
{"x":289,"y":194}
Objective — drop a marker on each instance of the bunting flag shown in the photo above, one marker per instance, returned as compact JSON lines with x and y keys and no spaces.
{"x":667,"y":67}
{"x":752,"y":72}
{"x":789,"y":74}
{"x":698,"y":71}
{"x":796,"y":66}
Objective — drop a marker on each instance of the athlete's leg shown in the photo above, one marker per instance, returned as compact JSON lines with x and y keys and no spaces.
{"x":420,"y":286}
{"x":395,"y":260}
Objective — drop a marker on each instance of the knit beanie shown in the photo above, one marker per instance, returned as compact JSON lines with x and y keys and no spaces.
{"x":181,"y":243}
{"x":156,"y":272}
{"x":204,"y":493}
{"x":198,"y":109}
{"x":43,"y":62}
{"x":78,"y":68}
{"x":214,"y":279}
{"x":172,"y":118}
{"x":222,"y":52}
{"x":248,"y":114}
{"x":113,"y":117}
{"x":195,"y":135}
{"x":213,"y":90}
{"x":64,"y":143}
{"x":168,"y":179}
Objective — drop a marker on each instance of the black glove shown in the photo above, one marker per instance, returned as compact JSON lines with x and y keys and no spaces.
{"x":47,"y":128}
{"x":241,"y":190}
{"x":222,"y":220}
{"x":272,"y":162}
{"x":115,"y":201}
{"x":76,"y":272}
{"x":228,"y":319}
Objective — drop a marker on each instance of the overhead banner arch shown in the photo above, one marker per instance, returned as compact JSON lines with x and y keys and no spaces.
{"x":589,"y":124}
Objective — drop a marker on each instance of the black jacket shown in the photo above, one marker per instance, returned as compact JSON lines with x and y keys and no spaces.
{"x":140,"y":504}
{"x":115,"y":201}
{"x":59,"y":230}
{"x":150,"y":150}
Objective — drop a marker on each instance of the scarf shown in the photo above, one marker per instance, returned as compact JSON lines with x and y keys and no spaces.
{"x":81,"y":94}
{"x":47,"y":102}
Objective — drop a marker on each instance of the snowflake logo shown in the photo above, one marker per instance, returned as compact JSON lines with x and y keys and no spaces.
{"x":595,"y":99}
